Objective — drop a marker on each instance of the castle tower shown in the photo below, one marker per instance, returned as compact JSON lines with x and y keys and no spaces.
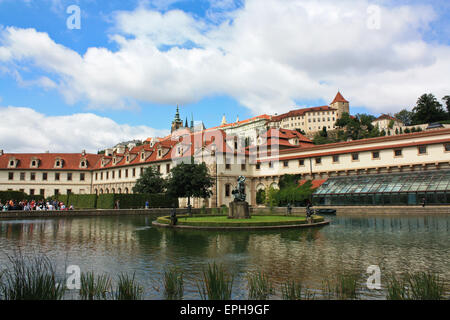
{"x":340,"y":104}
{"x":177,"y":123}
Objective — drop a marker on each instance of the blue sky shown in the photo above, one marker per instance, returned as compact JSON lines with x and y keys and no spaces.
{"x":308,"y":80}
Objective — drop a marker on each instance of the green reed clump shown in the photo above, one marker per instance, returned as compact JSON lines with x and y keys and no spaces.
{"x":95,"y":288}
{"x":173,"y":284}
{"x":294,"y":290}
{"x":31,"y":279}
{"x":342,"y":287}
{"x":396,"y":288}
{"x":346,"y":286}
{"x":259,"y":286}
{"x":216,"y":285}
{"x":128,"y":288}
{"x":426,"y":286}
{"x":415,"y":286}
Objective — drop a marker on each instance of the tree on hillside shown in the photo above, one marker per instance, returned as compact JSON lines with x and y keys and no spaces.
{"x":404,"y":116}
{"x":366,"y":120}
{"x":190,"y":180}
{"x":150,"y":182}
{"x":428,"y":109}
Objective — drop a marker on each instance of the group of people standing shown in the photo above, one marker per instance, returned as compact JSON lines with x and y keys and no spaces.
{"x":40,"y":205}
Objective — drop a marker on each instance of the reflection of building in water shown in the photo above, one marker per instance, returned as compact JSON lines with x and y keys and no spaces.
{"x":98,"y":233}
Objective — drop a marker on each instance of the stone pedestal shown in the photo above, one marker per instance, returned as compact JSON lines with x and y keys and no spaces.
{"x":239,"y":210}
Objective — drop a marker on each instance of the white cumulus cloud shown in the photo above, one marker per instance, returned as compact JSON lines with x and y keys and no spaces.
{"x":266,"y":55}
{"x":26,"y":130}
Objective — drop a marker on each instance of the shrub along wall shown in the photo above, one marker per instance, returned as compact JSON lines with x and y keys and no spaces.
{"x":83,"y":201}
{"x":135,"y":201}
{"x":18,"y":196}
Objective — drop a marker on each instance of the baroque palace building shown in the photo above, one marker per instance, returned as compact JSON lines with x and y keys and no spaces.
{"x":257,"y":150}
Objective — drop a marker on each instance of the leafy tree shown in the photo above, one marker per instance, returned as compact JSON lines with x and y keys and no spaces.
{"x":366,"y":120}
{"x":272,"y":197}
{"x":150,"y":182}
{"x":404,"y":116}
{"x":260,"y":196}
{"x":407,"y":130}
{"x":190,"y":180}
{"x":428,"y":110}
{"x":324,"y":132}
{"x":319,"y":139}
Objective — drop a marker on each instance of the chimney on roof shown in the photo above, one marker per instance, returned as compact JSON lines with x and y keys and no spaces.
{"x":47,"y":151}
{"x":83,"y":153}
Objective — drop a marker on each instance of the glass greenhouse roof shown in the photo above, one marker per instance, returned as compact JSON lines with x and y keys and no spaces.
{"x":426,"y":181}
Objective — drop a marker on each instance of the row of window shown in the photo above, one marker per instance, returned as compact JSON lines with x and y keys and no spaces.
{"x":311,"y":114}
{"x":421,"y":150}
{"x":45,"y":176}
{"x":105,"y":175}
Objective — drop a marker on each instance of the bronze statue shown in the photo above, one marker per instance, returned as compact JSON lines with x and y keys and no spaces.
{"x":239,"y":191}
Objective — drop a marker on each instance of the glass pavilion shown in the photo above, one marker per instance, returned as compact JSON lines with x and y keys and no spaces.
{"x":386,"y":189}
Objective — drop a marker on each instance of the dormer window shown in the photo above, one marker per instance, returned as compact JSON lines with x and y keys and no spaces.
{"x":11,"y":163}
{"x":128,"y":159}
{"x":159,"y":153}
{"x":83,"y":163}
{"x":58,"y":163}
{"x":142,"y":156}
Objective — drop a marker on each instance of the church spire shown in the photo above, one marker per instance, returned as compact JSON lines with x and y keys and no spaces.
{"x":177,"y":115}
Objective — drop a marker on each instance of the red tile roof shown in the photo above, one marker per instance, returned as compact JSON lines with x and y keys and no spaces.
{"x":315,"y":183}
{"x":339,"y":98}
{"x":301,"y":112}
{"x":386,"y":117}
{"x":71,"y":161}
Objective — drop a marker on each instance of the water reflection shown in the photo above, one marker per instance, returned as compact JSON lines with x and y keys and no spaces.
{"x":130,"y":244}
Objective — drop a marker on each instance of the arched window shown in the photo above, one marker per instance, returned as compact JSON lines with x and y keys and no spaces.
{"x":126,"y":190}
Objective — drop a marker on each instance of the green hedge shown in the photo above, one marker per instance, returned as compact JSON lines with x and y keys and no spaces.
{"x":18,"y":196}
{"x":82,"y":201}
{"x":105,"y":201}
{"x":136,"y":201}
{"x":63,"y":198}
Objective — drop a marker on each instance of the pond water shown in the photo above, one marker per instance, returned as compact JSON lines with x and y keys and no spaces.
{"x":130,"y":244}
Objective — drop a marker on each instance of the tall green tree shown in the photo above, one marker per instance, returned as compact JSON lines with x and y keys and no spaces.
{"x":428,"y":109}
{"x":404,"y":116}
{"x":150,"y":182}
{"x":190,"y":180}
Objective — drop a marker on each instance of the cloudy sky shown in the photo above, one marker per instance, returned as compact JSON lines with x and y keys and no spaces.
{"x":121,"y":75}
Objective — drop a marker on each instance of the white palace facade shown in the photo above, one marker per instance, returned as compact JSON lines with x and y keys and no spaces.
{"x":272,"y":153}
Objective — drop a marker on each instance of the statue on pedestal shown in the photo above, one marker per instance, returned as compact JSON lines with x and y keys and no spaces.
{"x":239,"y":208}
